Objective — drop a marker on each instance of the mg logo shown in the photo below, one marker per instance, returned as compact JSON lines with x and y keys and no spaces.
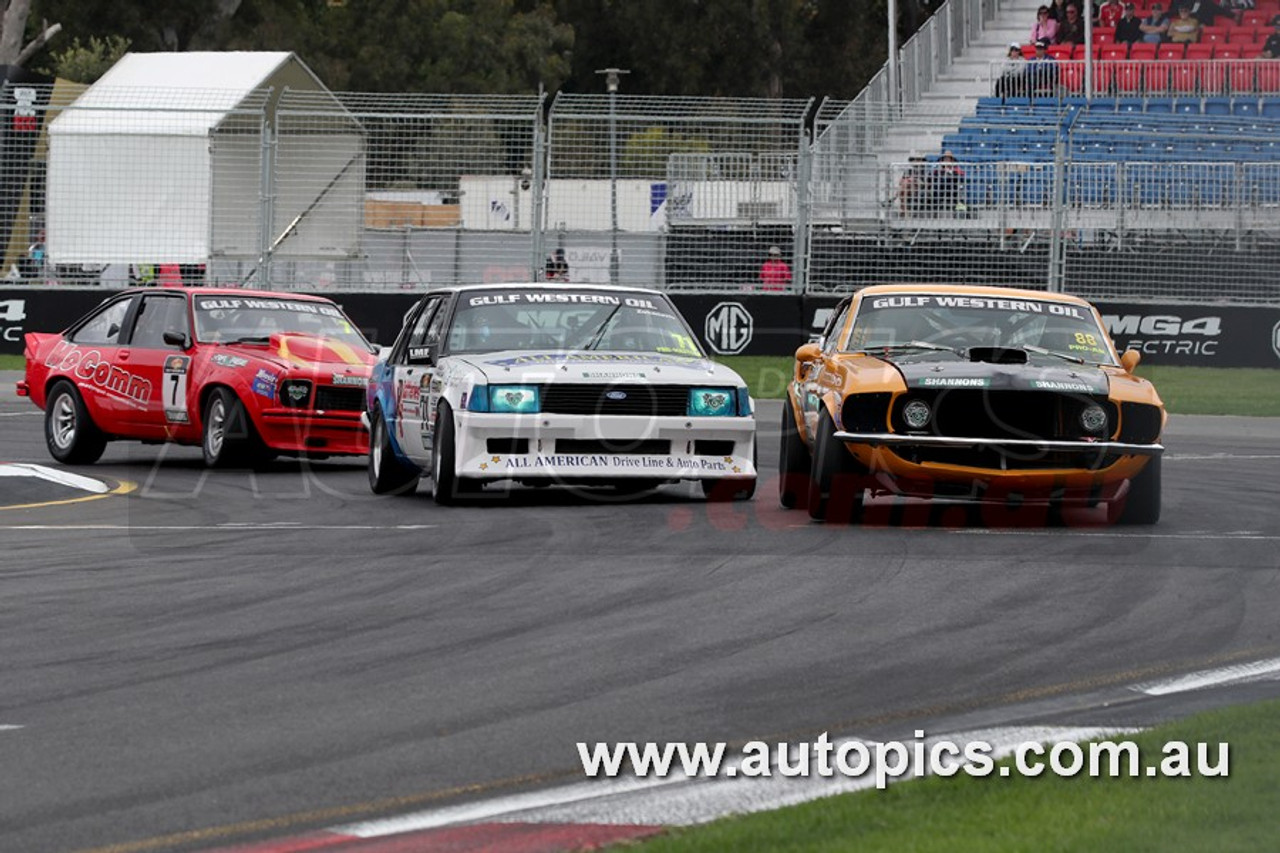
{"x":728,"y":328}
{"x":1275,"y":340}
{"x":12,"y":311}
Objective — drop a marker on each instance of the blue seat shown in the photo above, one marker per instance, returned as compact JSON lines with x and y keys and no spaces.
{"x":1244,"y":107}
{"x":1102,"y":105}
{"x":978,"y":184}
{"x":1161,"y":107}
{"x":1217,"y":106}
{"x":1019,"y":103}
{"x":1091,"y":183}
{"x":1144,"y":184}
{"x":1212,"y":183}
{"x":1037,"y":181}
{"x":1129,"y":105}
{"x":1186,"y":107}
{"x":1270,"y":108}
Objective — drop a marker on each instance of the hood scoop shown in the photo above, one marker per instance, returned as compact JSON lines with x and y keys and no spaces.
{"x":997,"y":355}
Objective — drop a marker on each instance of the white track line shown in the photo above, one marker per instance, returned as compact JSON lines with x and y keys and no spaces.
{"x":4,"y":728}
{"x":232,"y":527}
{"x":1079,"y":534}
{"x":54,"y":475}
{"x":1211,"y":678}
{"x":678,"y":800}
{"x":19,"y":414}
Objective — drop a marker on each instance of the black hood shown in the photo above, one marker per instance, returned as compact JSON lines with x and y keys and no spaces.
{"x":1048,"y":374}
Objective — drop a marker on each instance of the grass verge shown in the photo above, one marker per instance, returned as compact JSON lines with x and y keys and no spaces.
{"x":1185,"y":390}
{"x":12,"y":362}
{"x":996,"y":814}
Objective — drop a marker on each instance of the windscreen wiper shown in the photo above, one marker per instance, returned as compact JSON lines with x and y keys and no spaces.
{"x":1062,"y":355}
{"x":910,"y":345}
{"x":252,"y":339}
{"x":598,"y":335}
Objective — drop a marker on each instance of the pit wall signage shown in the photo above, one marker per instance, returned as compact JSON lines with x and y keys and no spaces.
{"x":747,"y":324}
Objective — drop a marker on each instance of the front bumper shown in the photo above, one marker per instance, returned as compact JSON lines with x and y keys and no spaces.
{"x":1085,"y":471}
{"x":306,"y":431}
{"x":577,"y":448}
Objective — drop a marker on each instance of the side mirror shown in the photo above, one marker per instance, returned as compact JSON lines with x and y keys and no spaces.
{"x":177,"y":339}
{"x":1129,"y":359}
{"x":809,"y":352}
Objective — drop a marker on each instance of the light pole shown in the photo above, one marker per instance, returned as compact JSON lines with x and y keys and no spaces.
{"x":611,"y":77}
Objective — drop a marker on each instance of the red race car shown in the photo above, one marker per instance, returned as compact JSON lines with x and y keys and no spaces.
{"x":245,"y":374}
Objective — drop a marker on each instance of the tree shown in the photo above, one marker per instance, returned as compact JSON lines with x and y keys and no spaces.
{"x":13,"y":34}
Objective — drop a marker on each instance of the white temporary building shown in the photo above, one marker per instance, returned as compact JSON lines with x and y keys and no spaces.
{"x":181,"y":158}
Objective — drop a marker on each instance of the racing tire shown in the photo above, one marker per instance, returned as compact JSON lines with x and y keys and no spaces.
{"x":69,"y":431}
{"x":835,"y":483}
{"x":446,"y":486}
{"x":731,"y":488}
{"x":1142,"y":504}
{"x":794,"y":463}
{"x":388,"y":475}
{"x":228,"y":438}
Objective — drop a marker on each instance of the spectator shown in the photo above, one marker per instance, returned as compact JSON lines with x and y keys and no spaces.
{"x":1205,"y":11}
{"x":947,"y":184}
{"x":775,"y":275}
{"x":1155,"y":26}
{"x":1013,"y":78}
{"x":1184,"y":28}
{"x":557,"y":266}
{"x":1109,"y":13}
{"x":1042,"y":71}
{"x":1271,"y":47}
{"x":1058,"y":9}
{"x":1128,"y":28}
{"x":1045,"y":27}
{"x":1071,"y":31}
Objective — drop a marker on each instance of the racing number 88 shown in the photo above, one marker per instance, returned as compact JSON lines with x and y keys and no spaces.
{"x":1086,"y":339}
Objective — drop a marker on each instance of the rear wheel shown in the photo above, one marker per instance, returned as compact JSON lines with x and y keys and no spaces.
{"x":69,"y":431}
{"x":1142,"y":504}
{"x":835,"y":484}
{"x":794,"y":463}
{"x":388,"y":475}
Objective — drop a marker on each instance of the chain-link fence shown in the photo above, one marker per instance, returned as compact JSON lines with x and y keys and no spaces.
{"x":1116,"y":197}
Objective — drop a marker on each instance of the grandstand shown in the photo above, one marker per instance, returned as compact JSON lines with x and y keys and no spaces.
{"x":1175,"y":149}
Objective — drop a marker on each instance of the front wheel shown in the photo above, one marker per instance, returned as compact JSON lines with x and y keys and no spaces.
{"x":444,"y":476}
{"x":835,"y":487}
{"x":388,"y":475}
{"x":229,"y":439}
{"x":1142,"y":504}
{"x":794,"y":463}
{"x":72,"y":436}
{"x":731,"y":488}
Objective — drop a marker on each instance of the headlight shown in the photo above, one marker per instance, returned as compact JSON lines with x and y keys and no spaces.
{"x":513,"y":399}
{"x":712,"y":402}
{"x":294,"y":393}
{"x":1093,"y":418}
{"x":744,"y":403}
{"x":916,"y":414}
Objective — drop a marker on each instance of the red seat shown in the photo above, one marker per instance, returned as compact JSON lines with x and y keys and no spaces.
{"x":1129,"y":77}
{"x":1071,"y":76}
{"x":1241,"y":35}
{"x":1142,"y":50}
{"x":1028,"y":51}
{"x":1078,"y":53}
{"x":1212,"y":77}
{"x":1200,"y":51}
{"x":1214,"y":35}
{"x":1226,"y":51}
{"x":1104,"y":35}
{"x":1060,"y":52}
{"x":1183,"y":78}
{"x":1269,"y":76}
{"x":1251,"y":51}
{"x":1254,"y":18}
{"x":1115,"y":51}
{"x":1242,"y":76}
{"x":1171,"y":51}
{"x":1155,"y":77}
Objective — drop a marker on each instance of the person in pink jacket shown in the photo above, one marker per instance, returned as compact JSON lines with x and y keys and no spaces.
{"x":1045,"y":28}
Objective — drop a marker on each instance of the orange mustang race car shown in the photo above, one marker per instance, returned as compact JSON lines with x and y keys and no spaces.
{"x":245,"y":374}
{"x":988,"y":394}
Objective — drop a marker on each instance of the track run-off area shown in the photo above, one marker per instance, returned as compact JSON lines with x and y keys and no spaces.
{"x":198,"y":659}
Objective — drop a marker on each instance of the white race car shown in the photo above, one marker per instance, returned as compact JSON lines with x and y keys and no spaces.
{"x":555,"y":384}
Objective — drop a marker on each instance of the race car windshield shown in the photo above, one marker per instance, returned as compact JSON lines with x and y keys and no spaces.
{"x":224,"y":319}
{"x":563,"y":320}
{"x":958,"y":322}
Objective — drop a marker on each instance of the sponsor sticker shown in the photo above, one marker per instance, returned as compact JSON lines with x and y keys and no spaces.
{"x":222,"y":359}
{"x":594,"y":358}
{"x":1022,"y":306}
{"x":175,"y":389}
{"x":350,"y":380}
{"x":264,"y":383}
{"x":1052,"y":385}
{"x":96,"y":373}
{"x":954,"y":382}
{"x":296,"y":306}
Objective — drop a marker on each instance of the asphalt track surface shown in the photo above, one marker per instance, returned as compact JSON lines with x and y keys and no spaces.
{"x":218,"y":657}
